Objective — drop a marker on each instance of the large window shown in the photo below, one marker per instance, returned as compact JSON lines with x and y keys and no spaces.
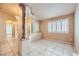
{"x":59,"y":26}
{"x":35,"y":26}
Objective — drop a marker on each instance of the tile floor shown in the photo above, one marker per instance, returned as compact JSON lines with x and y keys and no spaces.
{"x":9,"y":47}
{"x":37,"y":48}
{"x":47,"y":48}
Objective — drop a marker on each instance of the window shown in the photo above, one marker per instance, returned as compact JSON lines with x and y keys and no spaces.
{"x":35,"y":26}
{"x":59,"y":26}
{"x":9,"y":30}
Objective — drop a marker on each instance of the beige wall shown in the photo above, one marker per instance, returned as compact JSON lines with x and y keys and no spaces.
{"x":2,"y":27}
{"x":76,"y":30}
{"x":67,"y":37}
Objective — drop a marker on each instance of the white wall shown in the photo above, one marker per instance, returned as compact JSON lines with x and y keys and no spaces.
{"x":76,"y":30}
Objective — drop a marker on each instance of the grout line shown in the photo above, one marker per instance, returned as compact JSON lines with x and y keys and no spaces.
{"x":11,"y":48}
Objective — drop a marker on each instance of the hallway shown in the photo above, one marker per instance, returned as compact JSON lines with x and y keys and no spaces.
{"x":9,"y":47}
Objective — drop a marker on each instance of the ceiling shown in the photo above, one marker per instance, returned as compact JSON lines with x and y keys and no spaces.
{"x":12,"y":9}
{"x":48,"y":10}
{"x":41,"y":10}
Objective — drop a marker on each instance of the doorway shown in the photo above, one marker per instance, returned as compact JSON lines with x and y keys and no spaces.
{"x":9,"y":30}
